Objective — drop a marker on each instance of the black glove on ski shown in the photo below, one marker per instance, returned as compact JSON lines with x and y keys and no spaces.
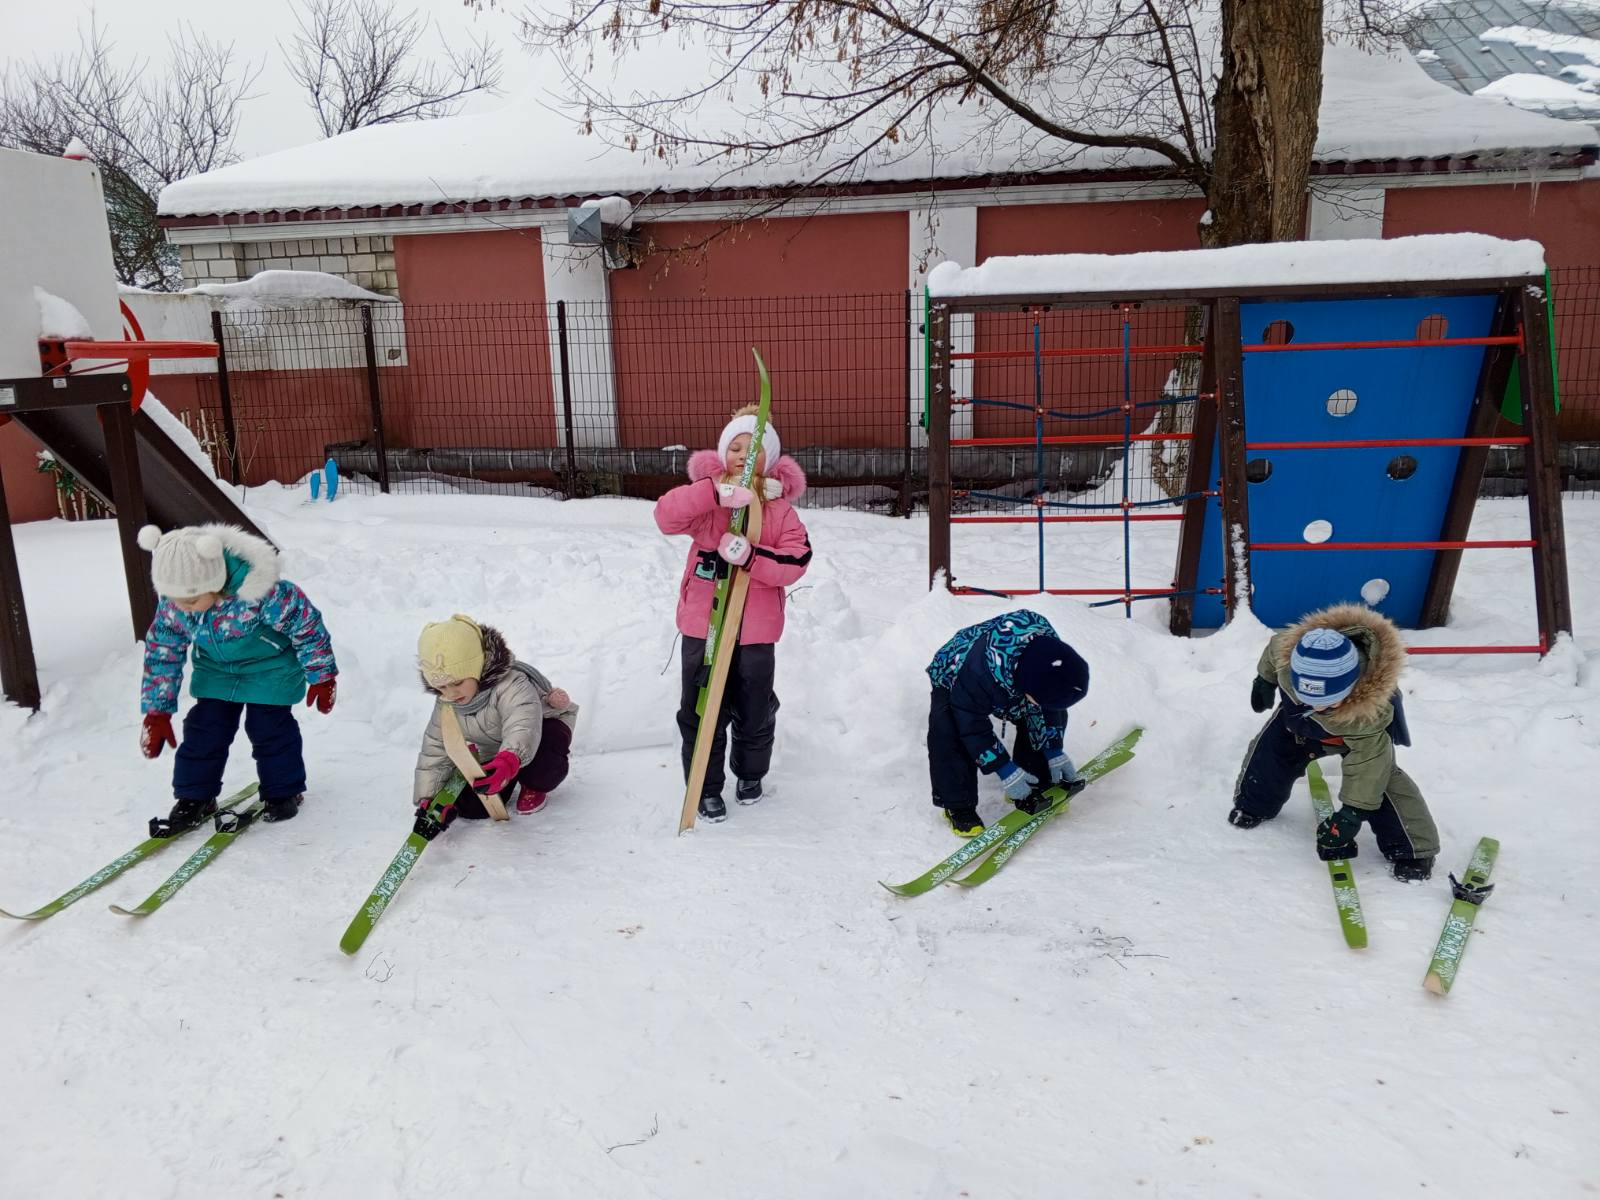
{"x":1262,"y":694}
{"x":1336,"y":835}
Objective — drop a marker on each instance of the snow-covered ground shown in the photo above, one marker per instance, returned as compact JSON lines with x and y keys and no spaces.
{"x":1146,"y":1002}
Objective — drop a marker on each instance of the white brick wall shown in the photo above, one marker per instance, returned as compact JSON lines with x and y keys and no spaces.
{"x":365,"y":261}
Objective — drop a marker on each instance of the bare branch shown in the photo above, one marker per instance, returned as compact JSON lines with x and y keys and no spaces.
{"x":145,"y":125}
{"x":361,"y":63}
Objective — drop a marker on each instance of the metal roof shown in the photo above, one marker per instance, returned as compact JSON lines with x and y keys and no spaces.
{"x":1453,"y":31}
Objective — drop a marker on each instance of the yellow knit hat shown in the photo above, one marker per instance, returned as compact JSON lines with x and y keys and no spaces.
{"x":450,"y":650}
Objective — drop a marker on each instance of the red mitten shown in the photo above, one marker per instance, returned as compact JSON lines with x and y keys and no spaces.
{"x":323,"y":694}
{"x":499,"y":771}
{"x":157,"y":728}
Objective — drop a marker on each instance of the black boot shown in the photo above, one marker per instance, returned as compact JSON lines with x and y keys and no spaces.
{"x":1412,"y":870}
{"x":283,"y":808}
{"x":713,"y":809}
{"x":747,"y":791}
{"x":1240,"y":819}
{"x":185,"y":815}
{"x":964,"y":822}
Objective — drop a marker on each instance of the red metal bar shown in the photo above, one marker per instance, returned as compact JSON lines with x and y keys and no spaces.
{"x":76,"y":348}
{"x":1494,"y":545}
{"x":1060,"y":520}
{"x":1161,"y":591}
{"x":1376,"y":443}
{"x":1074,"y":352}
{"x":1073,"y":439}
{"x":1514,"y":339}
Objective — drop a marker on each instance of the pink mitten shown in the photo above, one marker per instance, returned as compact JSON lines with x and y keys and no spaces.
{"x":558,"y":699}
{"x":499,"y":771}
{"x":731,"y":495}
{"x":734,"y":548}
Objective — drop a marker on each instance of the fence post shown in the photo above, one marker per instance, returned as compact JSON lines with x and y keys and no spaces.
{"x":905,"y":411}
{"x":378,"y":442}
{"x":566,"y":395}
{"x":225,"y":396}
{"x":938,"y":392}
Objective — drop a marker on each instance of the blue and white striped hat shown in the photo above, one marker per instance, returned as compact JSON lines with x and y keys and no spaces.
{"x":1324,"y":667}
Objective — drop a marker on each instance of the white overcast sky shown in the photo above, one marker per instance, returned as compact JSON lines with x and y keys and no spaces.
{"x":277,"y":116}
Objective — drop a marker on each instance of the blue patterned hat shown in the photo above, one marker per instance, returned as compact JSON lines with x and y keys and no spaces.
{"x":1324,"y":667}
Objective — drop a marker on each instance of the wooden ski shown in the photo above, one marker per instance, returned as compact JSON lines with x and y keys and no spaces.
{"x":455,"y":745}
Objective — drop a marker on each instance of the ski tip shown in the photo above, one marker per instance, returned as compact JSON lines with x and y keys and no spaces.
{"x":1435,"y":984}
{"x":123,"y":912}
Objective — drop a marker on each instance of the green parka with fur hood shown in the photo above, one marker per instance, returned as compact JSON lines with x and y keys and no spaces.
{"x":1362,"y":728}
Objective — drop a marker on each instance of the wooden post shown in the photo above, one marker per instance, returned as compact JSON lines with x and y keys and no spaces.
{"x":375,"y":399}
{"x":1191,"y":530}
{"x":566,"y":397}
{"x":1481,"y":422}
{"x":127,"y":494}
{"x":938,"y":387}
{"x":1225,"y":345}
{"x":225,"y":398}
{"x":1551,"y":597}
{"x":19,"y":673}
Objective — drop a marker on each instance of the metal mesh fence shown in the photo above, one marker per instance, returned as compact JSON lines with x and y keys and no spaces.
{"x":610,"y":399}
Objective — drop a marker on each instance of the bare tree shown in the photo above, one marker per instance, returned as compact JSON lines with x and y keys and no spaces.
{"x":362,"y":63}
{"x":1220,"y":94}
{"x":145,"y":125}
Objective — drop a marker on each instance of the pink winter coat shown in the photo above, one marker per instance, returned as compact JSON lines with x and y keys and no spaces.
{"x":778,"y":560}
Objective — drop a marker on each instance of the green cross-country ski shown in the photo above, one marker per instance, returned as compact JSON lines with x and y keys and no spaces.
{"x":1014,"y":828}
{"x":736,"y":524}
{"x":1345,"y":896}
{"x":373,"y":908}
{"x":230,"y":824}
{"x":117,"y":866}
{"x":1470,"y":891}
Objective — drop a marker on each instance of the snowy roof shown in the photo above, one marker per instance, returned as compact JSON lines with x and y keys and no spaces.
{"x":1431,"y":258}
{"x":1374,"y":107}
{"x":1539,"y":55}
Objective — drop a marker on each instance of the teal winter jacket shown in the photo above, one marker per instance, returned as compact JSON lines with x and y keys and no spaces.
{"x":260,"y":643}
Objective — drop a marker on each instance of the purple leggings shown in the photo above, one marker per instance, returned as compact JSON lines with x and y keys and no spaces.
{"x":542,"y":773}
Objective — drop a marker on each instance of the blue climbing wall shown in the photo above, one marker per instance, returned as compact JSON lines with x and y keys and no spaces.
{"x":1416,"y":392}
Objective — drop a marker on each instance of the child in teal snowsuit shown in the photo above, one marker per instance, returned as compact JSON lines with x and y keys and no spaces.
{"x":257,"y":642}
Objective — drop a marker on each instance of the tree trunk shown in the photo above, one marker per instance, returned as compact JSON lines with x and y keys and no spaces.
{"x":1266,"y":120}
{"x":1267,"y":105}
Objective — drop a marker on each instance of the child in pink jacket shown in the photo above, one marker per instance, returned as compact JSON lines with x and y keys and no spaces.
{"x":701,"y":509}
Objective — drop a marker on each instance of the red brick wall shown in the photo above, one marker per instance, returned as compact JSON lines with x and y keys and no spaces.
{"x":1565,"y":218}
{"x":838,"y":365}
{"x":29,"y":494}
{"x":1078,"y":384}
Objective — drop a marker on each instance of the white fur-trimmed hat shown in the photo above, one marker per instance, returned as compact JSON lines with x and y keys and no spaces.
{"x":770,"y":445}
{"x":184,"y":562}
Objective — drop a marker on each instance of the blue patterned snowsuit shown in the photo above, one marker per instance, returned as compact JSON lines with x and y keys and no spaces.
{"x":973,"y":677}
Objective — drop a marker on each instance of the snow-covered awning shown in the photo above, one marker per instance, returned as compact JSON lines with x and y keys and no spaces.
{"x":1431,"y":258}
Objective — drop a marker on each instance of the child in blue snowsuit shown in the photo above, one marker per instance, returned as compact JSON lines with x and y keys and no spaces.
{"x":1015,"y":668}
{"x":257,"y":643}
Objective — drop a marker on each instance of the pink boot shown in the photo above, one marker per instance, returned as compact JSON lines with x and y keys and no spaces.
{"x":530,"y":801}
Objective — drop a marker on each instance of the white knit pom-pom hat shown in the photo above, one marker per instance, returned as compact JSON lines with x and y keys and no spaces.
{"x":770,"y":445}
{"x":184,"y":562}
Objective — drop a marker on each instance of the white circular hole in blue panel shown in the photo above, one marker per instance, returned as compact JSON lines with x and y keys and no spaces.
{"x":1375,"y":591}
{"x":1318,"y":531}
{"x":1342,"y":403}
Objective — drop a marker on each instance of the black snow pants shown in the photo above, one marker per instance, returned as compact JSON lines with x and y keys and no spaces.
{"x":951,"y":767}
{"x":1278,"y":757}
{"x":748,"y":703}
